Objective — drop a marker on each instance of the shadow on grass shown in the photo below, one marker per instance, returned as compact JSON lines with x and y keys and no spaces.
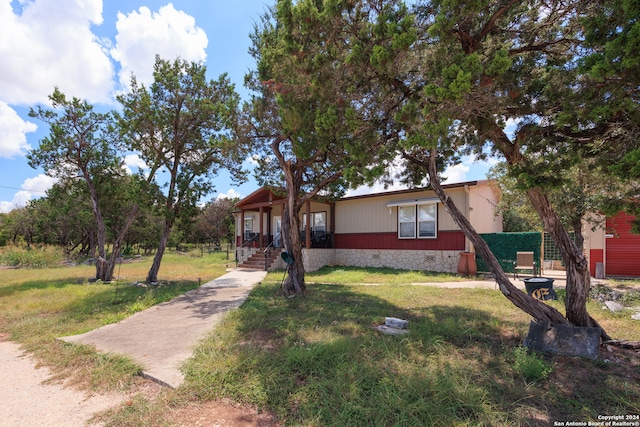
{"x":317,"y":360}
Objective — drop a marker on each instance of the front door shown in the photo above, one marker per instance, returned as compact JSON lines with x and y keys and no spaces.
{"x":277,"y":235}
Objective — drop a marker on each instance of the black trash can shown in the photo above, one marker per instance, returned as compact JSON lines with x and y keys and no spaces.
{"x":540,"y":288}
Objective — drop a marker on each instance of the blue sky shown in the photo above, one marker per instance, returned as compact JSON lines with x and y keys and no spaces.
{"x":89,"y":48}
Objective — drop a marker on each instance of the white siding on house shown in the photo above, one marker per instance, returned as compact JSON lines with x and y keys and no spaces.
{"x":482,"y":208}
{"x":371,"y":215}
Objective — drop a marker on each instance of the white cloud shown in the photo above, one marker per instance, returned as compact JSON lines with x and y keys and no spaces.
{"x":49,"y":43}
{"x":134,"y":161}
{"x":142,"y":35}
{"x":457,"y":173}
{"x":374,"y":189}
{"x":231,"y":194}
{"x":31,"y":188}
{"x":6,"y":207}
{"x":511,"y":126}
{"x":13,"y":130}
{"x":39,"y":184}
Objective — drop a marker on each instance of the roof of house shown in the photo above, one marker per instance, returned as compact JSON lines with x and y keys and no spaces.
{"x":414,"y":190}
{"x":265,"y":195}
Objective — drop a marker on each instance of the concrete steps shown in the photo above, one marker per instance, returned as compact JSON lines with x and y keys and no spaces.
{"x":257,"y":261}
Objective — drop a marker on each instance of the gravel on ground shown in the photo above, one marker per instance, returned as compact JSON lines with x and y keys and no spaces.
{"x":30,"y":398}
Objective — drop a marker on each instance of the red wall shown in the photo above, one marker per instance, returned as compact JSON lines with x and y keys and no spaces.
{"x":595,"y":255}
{"x":446,"y":241}
{"x":623,"y":249}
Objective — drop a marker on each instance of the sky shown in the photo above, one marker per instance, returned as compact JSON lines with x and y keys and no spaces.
{"x":89,"y":49}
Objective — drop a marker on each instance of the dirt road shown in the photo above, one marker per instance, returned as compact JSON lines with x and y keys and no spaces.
{"x":29,"y":400}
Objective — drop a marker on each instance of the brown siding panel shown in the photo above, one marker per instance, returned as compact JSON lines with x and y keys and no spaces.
{"x":446,"y":241}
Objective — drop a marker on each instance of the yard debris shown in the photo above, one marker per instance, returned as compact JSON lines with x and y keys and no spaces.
{"x":394,"y":322}
{"x":394,"y":326}
{"x":601,"y":292}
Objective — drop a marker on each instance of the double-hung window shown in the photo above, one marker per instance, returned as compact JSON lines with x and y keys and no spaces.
{"x":418,"y":221}
{"x":427,"y":220}
{"x":407,"y":222}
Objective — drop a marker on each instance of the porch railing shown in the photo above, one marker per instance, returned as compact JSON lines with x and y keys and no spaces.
{"x":245,"y":245}
{"x":269,"y":249}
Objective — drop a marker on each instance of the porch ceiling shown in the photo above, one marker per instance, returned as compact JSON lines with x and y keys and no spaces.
{"x":260,"y":198}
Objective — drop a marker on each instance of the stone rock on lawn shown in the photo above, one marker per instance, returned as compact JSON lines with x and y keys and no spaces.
{"x":394,"y":322}
{"x":614,"y":306}
{"x":565,"y":340}
{"x":391,"y":331}
{"x":635,"y":316}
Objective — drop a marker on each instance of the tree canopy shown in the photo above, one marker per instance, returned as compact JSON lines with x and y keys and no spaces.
{"x":182,"y":125}
{"x":82,"y":145}
{"x":317,"y":113}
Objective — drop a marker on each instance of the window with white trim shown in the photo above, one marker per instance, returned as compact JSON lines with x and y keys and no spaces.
{"x":427,"y":221}
{"x":418,"y":221}
{"x":248,"y":228}
{"x":406,"y":222}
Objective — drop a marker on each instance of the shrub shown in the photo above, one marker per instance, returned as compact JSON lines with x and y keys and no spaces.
{"x":39,"y":257}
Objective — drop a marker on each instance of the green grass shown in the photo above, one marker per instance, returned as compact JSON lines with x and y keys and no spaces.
{"x":316,"y":360}
{"x":37,"y":306}
{"x":389,"y":276}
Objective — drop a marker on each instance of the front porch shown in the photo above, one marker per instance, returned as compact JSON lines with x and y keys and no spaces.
{"x":259,"y":225}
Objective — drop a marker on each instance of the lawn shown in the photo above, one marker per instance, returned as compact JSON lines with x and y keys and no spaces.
{"x":317,"y":360}
{"x":38,"y":305}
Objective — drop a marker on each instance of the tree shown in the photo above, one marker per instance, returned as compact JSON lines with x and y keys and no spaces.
{"x":612,"y":39}
{"x":311,"y":116}
{"x":82,"y":145}
{"x":215,"y":223}
{"x":578,"y":200}
{"x":64,"y":217}
{"x":491,"y":65}
{"x":182,"y":125}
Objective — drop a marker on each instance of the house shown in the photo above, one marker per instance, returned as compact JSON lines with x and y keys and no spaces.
{"x":613,"y":250}
{"x":407,"y":229}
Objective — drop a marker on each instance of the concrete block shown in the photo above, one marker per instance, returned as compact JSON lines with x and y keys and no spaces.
{"x":567,"y":340}
{"x":614,"y":306}
{"x":393,"y":322}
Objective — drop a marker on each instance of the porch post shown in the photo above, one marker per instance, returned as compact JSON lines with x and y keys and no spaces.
{"x":332,"y":226}
{"x":307,"y":228}
{"x":261,"y":227}
{"x":241,"y":227}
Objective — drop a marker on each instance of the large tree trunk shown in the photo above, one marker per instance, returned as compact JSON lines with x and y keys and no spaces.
{"x":294,"y":284}
{"x":101,"y":231}
{"x":152,"y":276}
{"x":536,"y":309}
{"x":577,"y":267}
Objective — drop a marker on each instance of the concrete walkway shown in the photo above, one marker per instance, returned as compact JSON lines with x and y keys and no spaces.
{"x":162,"y":337}
{"x":559,"y":281}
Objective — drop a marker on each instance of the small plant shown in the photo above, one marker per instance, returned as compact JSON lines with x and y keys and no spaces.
{"x":530,"y":365}
{"x":630,"y":298}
